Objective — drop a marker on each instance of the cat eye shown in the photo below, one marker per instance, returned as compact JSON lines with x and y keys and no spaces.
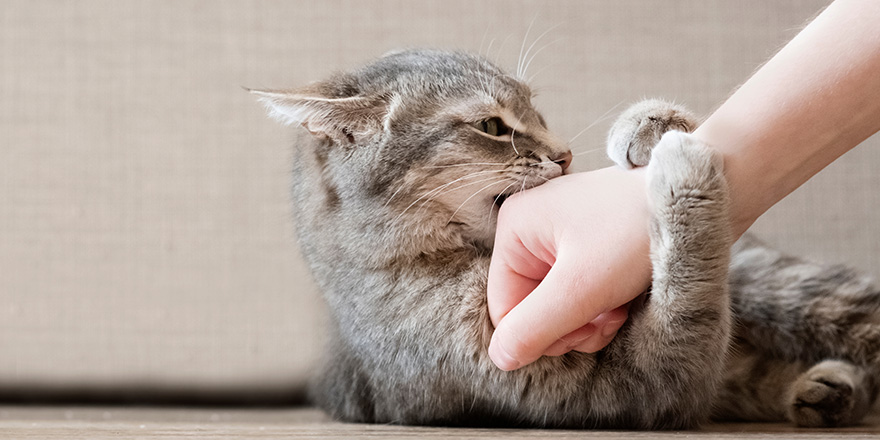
{"x":492,"y":126}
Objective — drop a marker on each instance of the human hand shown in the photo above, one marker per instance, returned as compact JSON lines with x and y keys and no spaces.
{"x":569,"y":256}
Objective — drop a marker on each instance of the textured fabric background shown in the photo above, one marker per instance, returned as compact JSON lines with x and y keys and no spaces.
{"x":145,"y":238}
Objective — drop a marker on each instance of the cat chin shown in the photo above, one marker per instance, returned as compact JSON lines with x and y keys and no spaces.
{"x":482,"y":233}
{"x":486,"y":243}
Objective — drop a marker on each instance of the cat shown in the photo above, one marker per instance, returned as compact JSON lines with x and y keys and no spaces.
{"x":399,"y":174}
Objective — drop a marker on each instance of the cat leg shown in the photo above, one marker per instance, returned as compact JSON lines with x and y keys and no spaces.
{"x":671,"y":353}
{"x":755,"y":386}
{"x":799,"y":310}
{"x":768,"y":389}
{"x":638,"y":129}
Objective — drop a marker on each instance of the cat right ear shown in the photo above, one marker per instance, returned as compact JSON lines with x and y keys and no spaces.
{"x":347,"y":120}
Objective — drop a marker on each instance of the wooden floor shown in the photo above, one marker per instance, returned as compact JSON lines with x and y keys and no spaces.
{"x":57,"y":422}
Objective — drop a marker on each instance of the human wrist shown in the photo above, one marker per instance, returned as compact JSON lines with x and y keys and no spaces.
{"x":625,"y":220}
{"x":638,"y":234}
{"x":813,"y":101}
{"x":752,"y":181}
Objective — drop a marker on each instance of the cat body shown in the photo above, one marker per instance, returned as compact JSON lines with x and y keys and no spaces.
{"x":398,"y":178}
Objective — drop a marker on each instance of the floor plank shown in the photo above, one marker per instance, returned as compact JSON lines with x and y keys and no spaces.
{"x":57,"y":422}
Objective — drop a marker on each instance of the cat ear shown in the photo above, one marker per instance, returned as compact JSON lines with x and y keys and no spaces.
{"x":347,"y":120}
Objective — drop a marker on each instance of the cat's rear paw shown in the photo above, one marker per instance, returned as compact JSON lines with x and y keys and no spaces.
{"x":831,"y":393}
{"x":640,"y":127}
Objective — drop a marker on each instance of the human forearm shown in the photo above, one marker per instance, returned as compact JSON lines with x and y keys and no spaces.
{"x":812,"y":102}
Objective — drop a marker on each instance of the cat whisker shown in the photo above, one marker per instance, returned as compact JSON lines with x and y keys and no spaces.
{"x":519,"y":61}
{"x":497,"y":181}
{"x":534,"y":75}
{"x":501,"y":48}
{"x":489,"y":49}
{"x":589,"y":151}
{"x":467,"y":176}
{"x":545,"y":162}
{"x":483,"y":40}
{"x":466,"y":164}
{"x":495,"y":202}
{"x":402,"y":186}
{"x":601,"y":118}
{"x":492,"y":85}
{"x":483,"y":82}
{"x":429,"y":196}
{"x":528,"y":60}
{"x":434,"y":193}
{"x":440,"y":193}
{"x":513,"y":135}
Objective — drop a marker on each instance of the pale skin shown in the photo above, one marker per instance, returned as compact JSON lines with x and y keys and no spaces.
{"x":570,"y":254}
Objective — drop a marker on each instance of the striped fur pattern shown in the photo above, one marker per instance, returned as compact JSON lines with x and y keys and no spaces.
{"x":398,"y":176}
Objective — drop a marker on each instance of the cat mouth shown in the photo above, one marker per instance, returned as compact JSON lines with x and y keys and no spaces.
{"x":499,"y":199}
{"x":528,"y":182}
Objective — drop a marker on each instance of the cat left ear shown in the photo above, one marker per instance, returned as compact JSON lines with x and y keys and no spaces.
{"x":347,"y":120}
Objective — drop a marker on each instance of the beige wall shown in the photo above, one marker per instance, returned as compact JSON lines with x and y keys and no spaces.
{"x":145,"y":239}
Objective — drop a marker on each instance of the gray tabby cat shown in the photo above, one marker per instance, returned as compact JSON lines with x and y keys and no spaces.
{"x":398,"y":177}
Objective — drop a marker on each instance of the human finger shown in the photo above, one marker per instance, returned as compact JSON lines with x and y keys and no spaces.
{"x":515,"y":271}
{"x":566,"y":343}
{"x":593,"y":336}
{"x":606,"y":328}
{"x":556,"y":307}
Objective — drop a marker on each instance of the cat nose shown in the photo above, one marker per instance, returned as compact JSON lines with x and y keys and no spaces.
{"x":564,"y":160}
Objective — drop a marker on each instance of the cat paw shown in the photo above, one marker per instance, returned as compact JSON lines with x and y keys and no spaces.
{"x":830,"y":394}
{"x":639,"y":128}
{"x":683,"y":167}
{"x":687,"y":194}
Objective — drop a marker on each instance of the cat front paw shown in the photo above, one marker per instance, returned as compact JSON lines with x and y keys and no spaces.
{"x":830,"y":394}
{"x":639,"y":128}
{"x":685,"y":168}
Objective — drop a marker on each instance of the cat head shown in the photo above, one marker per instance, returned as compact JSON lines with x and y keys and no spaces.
{"x":437,"y":139}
